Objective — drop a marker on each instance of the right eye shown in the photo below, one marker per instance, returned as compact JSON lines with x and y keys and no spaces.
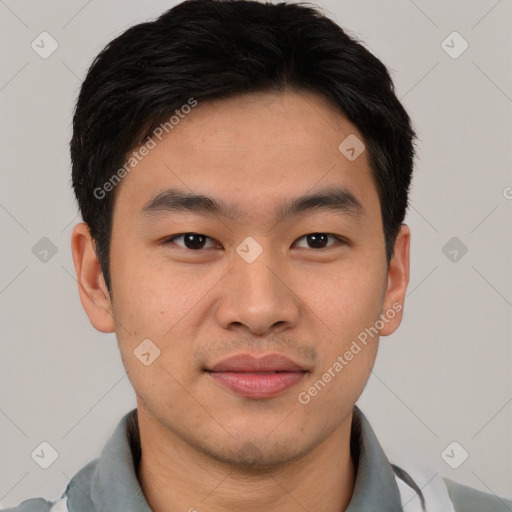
{"x":191,"y":241}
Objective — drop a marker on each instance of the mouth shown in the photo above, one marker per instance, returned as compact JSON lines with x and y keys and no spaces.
{"x":257,"y":378}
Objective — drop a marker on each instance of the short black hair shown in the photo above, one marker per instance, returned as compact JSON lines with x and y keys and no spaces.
{"x":213,"y":49}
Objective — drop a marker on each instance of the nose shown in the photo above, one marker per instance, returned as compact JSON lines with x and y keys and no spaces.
{"x":258,"y":297}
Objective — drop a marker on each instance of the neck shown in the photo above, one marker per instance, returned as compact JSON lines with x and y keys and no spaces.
{"x":175,"y":476}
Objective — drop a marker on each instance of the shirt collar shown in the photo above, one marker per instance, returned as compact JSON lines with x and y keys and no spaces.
{"x":110,"y":482}
{"x":375,"y":487}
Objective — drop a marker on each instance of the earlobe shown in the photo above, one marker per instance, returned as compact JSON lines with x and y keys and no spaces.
{"x":398,"y":279}
{"x":93,"y":292}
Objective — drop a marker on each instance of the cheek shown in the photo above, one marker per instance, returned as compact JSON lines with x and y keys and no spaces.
{"x":148,"y":294}
{"x":150,"y":306}
{"x":345,"y":314}
{"x":154,"y":301}
{"x":347,"y":300}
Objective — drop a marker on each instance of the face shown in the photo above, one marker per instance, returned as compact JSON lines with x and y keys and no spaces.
{"x":257,"y":279}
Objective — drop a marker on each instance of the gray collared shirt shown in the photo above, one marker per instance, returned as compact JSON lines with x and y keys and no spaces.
{"x":110,"y":483}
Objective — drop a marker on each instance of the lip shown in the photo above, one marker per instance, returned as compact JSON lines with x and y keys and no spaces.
{"x":248,"y":363}
{"x":257,"y":377}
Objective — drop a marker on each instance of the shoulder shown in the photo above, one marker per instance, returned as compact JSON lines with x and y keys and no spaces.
{"x":467,"y":499}
{"x":424,"y":488}
{"x":32,"y":505}
{"x":40,"y":505}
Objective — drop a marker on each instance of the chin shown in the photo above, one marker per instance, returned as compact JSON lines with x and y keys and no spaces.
{"x":256,"y":456}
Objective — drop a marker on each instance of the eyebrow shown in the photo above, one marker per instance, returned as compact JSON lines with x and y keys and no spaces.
{"x":337,"y":200}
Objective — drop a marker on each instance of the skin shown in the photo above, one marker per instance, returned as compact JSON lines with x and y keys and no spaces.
{"x":204,"y":446}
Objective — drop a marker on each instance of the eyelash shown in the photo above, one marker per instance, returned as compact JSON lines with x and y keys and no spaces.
{"x":170,"y":240}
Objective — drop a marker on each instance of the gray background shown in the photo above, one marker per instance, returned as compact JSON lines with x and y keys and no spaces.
{"x":443,"y":377}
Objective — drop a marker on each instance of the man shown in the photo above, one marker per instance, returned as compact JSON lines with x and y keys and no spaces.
{"x":242,"y":170}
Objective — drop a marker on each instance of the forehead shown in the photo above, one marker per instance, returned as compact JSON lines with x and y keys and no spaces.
{"x":251,"y":150}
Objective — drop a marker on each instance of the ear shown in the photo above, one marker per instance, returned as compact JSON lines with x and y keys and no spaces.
{"x":94,"y":294}
{"x":398,"y":279}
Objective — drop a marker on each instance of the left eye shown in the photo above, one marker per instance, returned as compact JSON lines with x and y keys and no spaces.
{"x":319,"y":240}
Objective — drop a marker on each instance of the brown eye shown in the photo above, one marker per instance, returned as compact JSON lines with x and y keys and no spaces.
{"x":319,"y":240}
{"x":192,"y":241}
